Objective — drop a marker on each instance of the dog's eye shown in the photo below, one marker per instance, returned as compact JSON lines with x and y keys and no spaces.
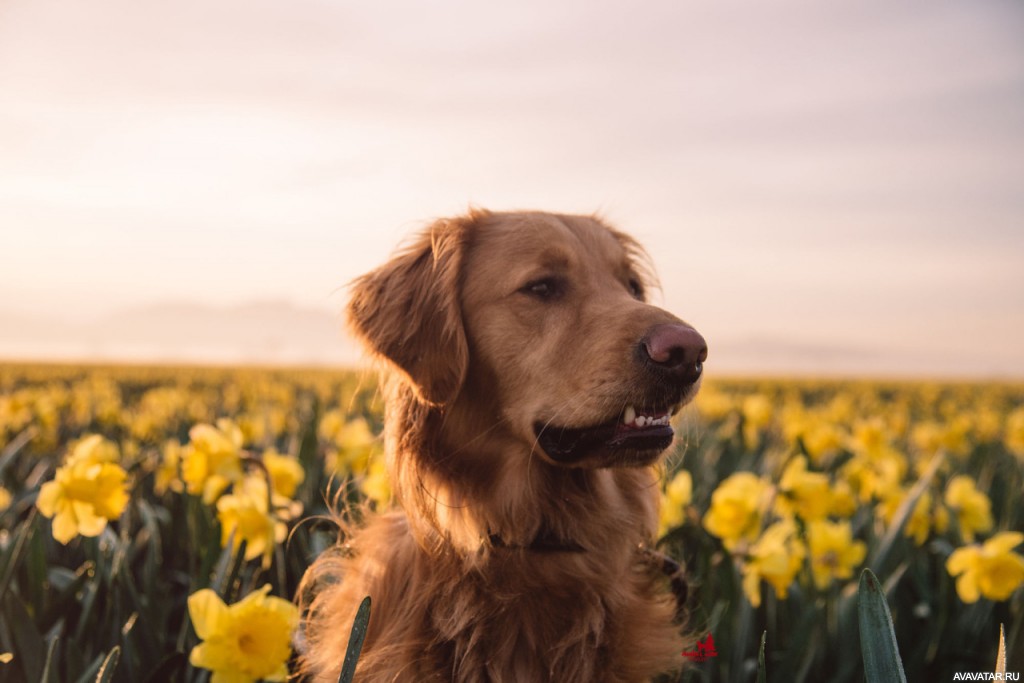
{"x":546,"y":288}
{"x":636,"y":289}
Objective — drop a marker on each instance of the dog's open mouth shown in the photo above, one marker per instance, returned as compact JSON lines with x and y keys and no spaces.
{"x":638,"y":433}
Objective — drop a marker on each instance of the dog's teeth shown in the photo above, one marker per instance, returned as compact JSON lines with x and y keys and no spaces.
{"x":642,"y":421}
{"x":629,"y":415}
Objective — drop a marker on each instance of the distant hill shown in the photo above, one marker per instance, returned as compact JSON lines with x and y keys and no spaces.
{"x":266,"y":332}
{"x":277,"y":333}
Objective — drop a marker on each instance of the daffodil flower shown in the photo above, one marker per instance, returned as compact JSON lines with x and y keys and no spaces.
{"x":777,"y":558}
{"x":244,"y":642}
{"x":802,"y":493}
{"x":678,"y":494}
{"x":168,"y":475}
{"x":245,"y":515}
{"x":737,"y":506}
{"x":353,"y":444}
{"x":93,"y":448}
{"x":834,"y":553}
{"x":991,"y":570}
{"x":285,"y":473}
{"x":212,"y":461}
{"x":972,"y":507}
{"x":375,"y":484}
{"x":82,"y":498}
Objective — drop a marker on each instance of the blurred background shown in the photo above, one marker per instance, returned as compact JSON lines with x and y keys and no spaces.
{"x":826,"y":188}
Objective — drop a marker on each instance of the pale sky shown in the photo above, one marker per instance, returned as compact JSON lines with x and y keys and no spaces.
{"x":839,"y":181}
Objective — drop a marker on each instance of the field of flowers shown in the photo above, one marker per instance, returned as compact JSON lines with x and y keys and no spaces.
{"x":155,"y":522}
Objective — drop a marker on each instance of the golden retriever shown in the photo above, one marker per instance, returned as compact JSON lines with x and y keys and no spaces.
{"x":528,"y":393}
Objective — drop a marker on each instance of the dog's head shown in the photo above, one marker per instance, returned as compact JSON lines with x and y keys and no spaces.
{"x":537,"y":325}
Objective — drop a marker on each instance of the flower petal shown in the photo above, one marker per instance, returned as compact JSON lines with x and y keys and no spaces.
{"x":229,"y":676}
{"x":962,"y":560}
{"x":226,"y":676}
{"x":89,"y":523}
{"x":49,"y":496}
{"x":209,"y":614}
{"x":967,"y":587}
{"x":65,"y":526}
{"x":1003,"y":542}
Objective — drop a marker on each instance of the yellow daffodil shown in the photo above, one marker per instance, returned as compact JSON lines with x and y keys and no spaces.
{"x":93,"y":449}
{"x":245,"y":515}
{"x":212,"y":461}
{"x":737,"y":506}
{"x":834,"y":553}
{"x":5,"y":499}
{"x":991,"y":570}
{"x":83,"y":497}
{"x":802,"y":493}
{"x":6,"y":657}
{"x":253,"y":428}
{"x":875,"y":478}
{"x":841,"y":500}
{"x":870,"y":438}
{"x":972,"y":507}
{"x":244,"y":642}
{"x":168,"y":475}
{"x":714,"y":405}
{"x":822,"y":440}
{"x":375,"y":484}
{"x":987,"y":424}
{"x":678,"y":494}
{"x":776,"y":557}
{"x":757,"y":415}
{"x":925,"y":516}
{"x":951,"y":437}
{"x":1014,"y":437}
{"x":284,"y":471}
{"x":353,"y":444}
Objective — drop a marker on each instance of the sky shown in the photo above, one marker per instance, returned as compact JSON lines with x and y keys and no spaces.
{"x":824,"y":187}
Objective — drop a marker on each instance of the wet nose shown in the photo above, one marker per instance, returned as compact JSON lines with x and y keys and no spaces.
{"x":676,"y":349}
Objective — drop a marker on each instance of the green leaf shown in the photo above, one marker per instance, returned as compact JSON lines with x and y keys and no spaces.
{"x":355,"y":641}
{"x":48,"y":674}
{"x":1001,"y":653}
{"x":28,"y":644}
{"x":64,"y":589}
{"x":15,"y":445}
{"x":90,"y":673}
{"x":13,"y":558}
{"x":762,"y":672}
{"x":85,"y":619}
{"x":228,"y":568}
{"x":877,"y":638}
{"x":903,"y":513}
{"x":169,"y":669}
{"x":106,"y":672}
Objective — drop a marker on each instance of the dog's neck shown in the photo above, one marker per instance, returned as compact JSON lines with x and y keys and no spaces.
{"x":545,"y":541}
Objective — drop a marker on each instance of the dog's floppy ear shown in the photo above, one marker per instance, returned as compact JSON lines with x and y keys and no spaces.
{"x":407,"y":311}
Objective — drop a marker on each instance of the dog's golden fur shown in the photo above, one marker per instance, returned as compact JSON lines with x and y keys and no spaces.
{"x":501,"y":564}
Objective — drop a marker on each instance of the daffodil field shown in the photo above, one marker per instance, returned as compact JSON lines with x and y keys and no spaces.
{"x":155,"y":522}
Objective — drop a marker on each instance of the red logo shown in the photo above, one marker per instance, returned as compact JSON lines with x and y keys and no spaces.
{"x":705,"y":649}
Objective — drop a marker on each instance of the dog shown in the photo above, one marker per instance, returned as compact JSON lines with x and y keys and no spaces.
{"x":528,"y":393}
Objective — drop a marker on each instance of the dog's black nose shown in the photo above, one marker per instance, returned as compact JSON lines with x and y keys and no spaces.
{"x":677,"y":349}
